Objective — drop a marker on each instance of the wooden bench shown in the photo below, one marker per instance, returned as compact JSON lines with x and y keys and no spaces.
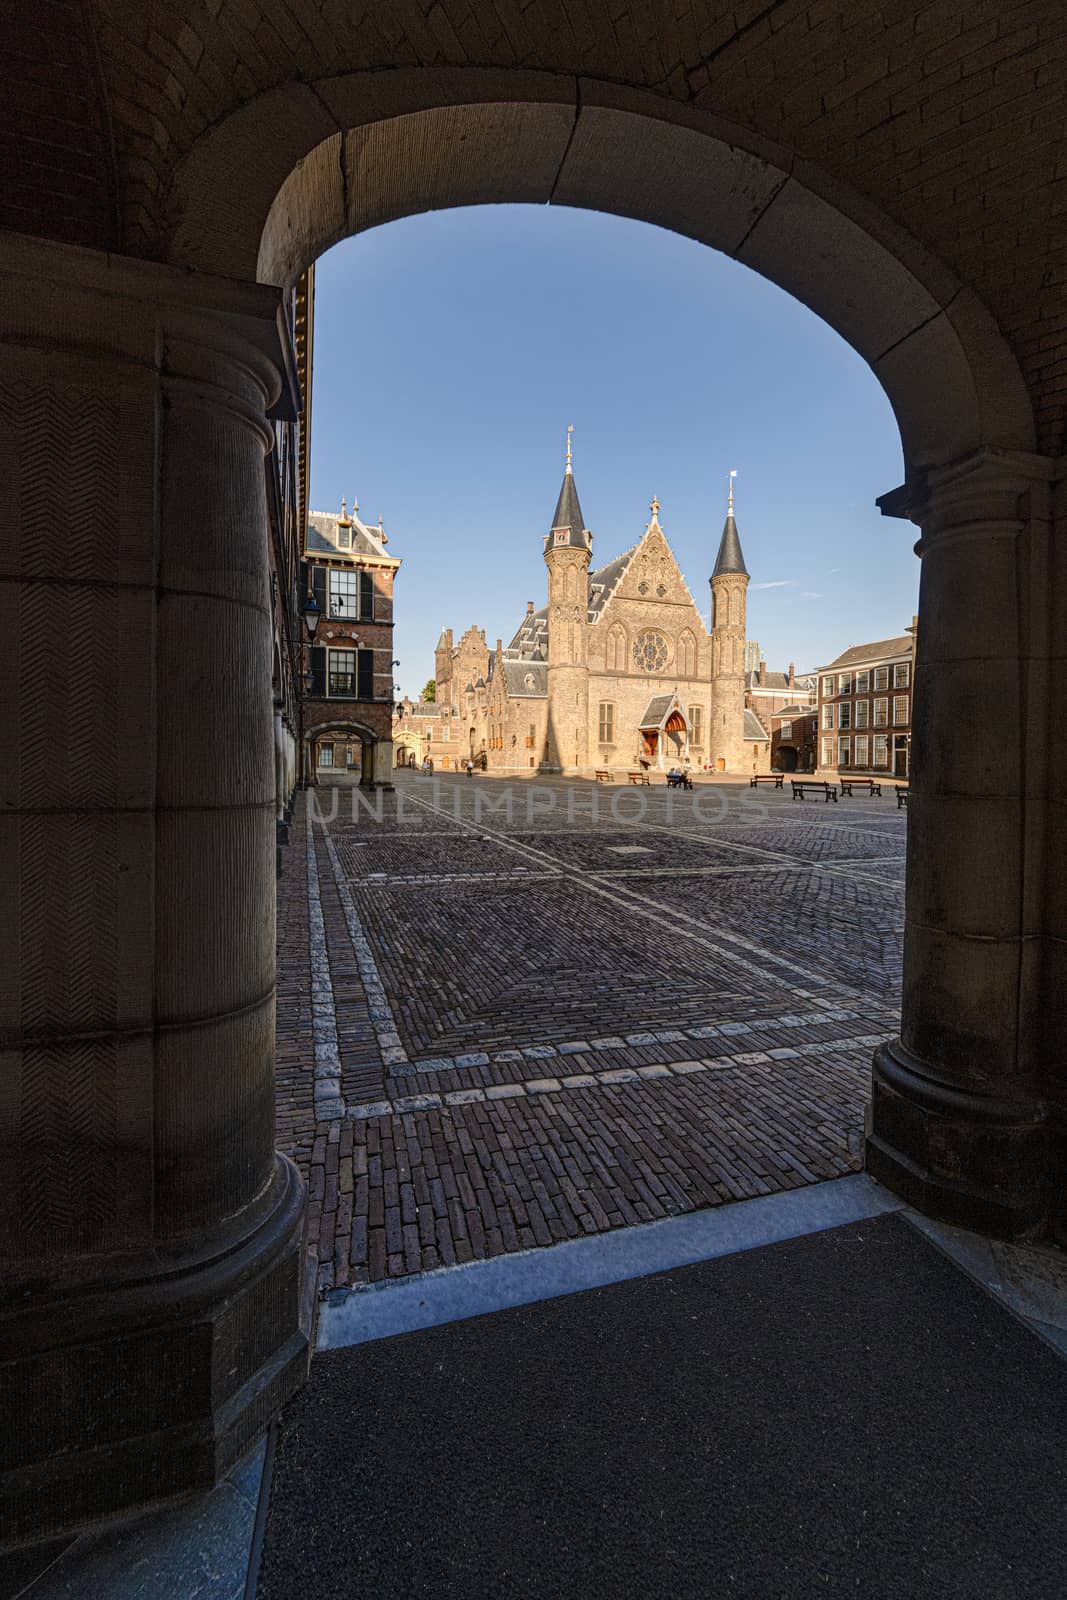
{"x":601,"y":776}
{"x":902,"y":799}
{"x":638,"y":777}
{"x":829,"y":790}
{"x":681,"y":781}
{"x":871,"y":785}
{"x":777,"y":778}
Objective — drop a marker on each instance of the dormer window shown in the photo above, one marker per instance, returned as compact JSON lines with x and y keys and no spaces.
{"x":560,"y":535}
{"x":344,"y":537}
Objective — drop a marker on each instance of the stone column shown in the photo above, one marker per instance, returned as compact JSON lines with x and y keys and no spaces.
{"x":383,"y":763}
{"x":967,"y":1115}
{"x":151,"y":1237}
{"x":279,"y":764}
{"x":367,"y":767}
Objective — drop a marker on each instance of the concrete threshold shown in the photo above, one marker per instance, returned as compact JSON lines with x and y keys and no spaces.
{"x":426,"y":1300}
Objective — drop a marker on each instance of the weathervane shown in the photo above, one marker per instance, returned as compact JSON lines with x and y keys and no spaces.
{"x":730,"y":496}
{"x":570,"y":430}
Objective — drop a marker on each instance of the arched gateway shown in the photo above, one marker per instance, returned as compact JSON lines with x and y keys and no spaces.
{"x":141,"y":370}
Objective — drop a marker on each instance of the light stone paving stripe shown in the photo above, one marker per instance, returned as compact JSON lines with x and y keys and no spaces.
{"x":430,"y":1299}
{"x":658,"y":1072}
{"x":329,"y":1101}
{"x":381,"y":1012}
{"x":662,"y":1035}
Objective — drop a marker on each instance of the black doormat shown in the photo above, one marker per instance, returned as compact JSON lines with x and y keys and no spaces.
{"x":842,"y":1414}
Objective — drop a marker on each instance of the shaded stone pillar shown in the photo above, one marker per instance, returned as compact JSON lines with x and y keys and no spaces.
{"x":367,"y":764}
{"x":383,"y":764}
{"x":151,"y":1238}
{"x":967,"y":1118}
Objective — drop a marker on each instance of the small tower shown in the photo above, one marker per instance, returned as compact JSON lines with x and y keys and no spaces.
{"x":729,"y":590}
{"x":568,"y":548}
{"x":442,"y":658}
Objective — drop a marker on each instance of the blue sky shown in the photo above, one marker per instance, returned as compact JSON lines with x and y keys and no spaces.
{"x":452,"y":349}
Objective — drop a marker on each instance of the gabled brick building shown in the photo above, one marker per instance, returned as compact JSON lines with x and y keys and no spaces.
{"x":348,"y":705}
{"x":865,"y":698}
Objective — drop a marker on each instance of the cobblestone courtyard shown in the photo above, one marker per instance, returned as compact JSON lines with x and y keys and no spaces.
{"x":510,"y":1014}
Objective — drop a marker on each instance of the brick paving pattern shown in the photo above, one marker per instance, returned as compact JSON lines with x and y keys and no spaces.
{"x":502,"y":1025}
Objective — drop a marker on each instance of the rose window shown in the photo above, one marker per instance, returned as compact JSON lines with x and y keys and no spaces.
{"x":650,"y":651}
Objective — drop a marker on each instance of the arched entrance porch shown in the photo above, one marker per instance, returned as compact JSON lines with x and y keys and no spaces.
{"x":173,"y":375}
{"x":343,"y":746}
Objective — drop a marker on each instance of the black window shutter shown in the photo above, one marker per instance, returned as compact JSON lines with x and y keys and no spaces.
{"x":318,"y":585}
{"x":365,"y":675}
{"x":366,"y":596}
{"x":318,"y":669}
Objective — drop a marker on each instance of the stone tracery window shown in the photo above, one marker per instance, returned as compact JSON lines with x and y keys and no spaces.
{"x":616,"y":651}
{"x":651,"y":651}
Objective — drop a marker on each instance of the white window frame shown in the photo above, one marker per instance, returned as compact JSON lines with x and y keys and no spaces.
{"x":863,"y":682}
{"x":880,"y":758}
{"x":606,"y":719}
{"x":844,"y":714}
{"x":844,"y":683}
{"x":828,"y":752}
{"x":827,"y":718}
{"x":844,"y":747}
{"x":881,"y":714}
{"x":828,"y":685}
{"x":324,"y":759}
{"x":881,"y":678}
{"x":343,"y":586}
{"x":900,"y":711}
{"x":859,"y":750}
{"x":786,"y":731}
{"x":696,"y":723}
{"x":862,"y":714}
{"x":901,"y":675}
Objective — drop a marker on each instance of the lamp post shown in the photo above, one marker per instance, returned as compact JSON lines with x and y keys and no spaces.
{"x":312,"y":613}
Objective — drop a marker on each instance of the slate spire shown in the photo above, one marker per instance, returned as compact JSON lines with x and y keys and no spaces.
{"x":729,"y":558}
{"x":568,"y":512}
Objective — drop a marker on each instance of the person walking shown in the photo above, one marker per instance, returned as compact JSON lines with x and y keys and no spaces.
{"x":470,"y":768}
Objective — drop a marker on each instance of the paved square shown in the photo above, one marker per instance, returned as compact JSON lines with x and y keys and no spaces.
{"x":511,"y":1013}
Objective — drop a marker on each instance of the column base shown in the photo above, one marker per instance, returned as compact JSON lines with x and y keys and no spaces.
{"x":960,"y":1156}
{"x":150,"y":1383}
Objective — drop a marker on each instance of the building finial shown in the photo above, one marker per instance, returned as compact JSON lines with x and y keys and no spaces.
{"x":570,"y":430}
{"x":730,"y":495}
{"x":344,"y":508}
{"x":654,"y":508}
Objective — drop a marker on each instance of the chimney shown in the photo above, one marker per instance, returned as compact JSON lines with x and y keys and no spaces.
{"x":529,"y":608}
{"x":763,"y":669}
{"x":500,"y":647}
{"x":792,"y":673}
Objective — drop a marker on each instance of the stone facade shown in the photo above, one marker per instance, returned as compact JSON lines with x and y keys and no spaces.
{"x":427,"y":729}
{"x":348,"y":706}
{"x":617,"y":672}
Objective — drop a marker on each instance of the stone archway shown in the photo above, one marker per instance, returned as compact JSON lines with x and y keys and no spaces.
{"x":162,"y":373}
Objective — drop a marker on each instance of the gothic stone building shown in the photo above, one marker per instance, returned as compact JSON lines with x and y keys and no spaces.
{"x":617,"y":672}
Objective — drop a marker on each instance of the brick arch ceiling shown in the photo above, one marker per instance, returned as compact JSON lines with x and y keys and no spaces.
{"x":945,"y":118}
{"x":426,"y":141}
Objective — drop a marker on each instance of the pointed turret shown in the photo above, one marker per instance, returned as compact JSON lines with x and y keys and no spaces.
{"x":567,"y":550}
{"x":568,"y":524}
{"x":729,"y":585}
{"x":729,"y":558}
